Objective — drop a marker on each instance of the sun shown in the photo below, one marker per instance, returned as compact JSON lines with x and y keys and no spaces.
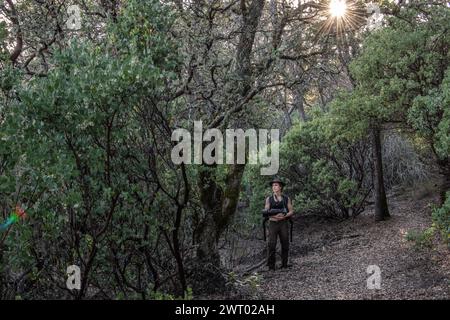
{"x":341,"y":16}
{"x":338,"y":8}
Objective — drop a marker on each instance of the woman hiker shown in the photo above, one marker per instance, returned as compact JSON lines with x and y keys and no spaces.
{"x":278,"y":224}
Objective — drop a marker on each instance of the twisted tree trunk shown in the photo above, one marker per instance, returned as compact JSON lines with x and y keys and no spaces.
{"x":219,"y":205}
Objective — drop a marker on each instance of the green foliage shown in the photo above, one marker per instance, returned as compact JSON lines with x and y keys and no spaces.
{"x":325,"y":167}
{"x":3,"y":36}
{"x":442,"y":135}
{"x":441,"y":219}
{"x":158,"y":295}
{"x":404,"y":69}
{"x":8,"y":78}
{"x":350,"y":116}
{"x":421,"y":239}
{"x":441,"y":224}
{"x":75,"y":136}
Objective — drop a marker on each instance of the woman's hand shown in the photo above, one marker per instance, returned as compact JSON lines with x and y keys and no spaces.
{"x":279,"y":217}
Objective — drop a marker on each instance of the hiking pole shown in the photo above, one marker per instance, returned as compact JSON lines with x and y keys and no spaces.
{"x":264,"y":228}
{"x":292,"y":226}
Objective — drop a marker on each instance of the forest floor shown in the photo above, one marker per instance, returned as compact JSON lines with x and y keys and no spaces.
{"x":329,"y":259}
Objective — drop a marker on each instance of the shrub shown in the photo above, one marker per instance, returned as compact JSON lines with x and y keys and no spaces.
{"x":441,"y":218}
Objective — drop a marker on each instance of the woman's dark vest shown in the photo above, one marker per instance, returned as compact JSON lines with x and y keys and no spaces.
{"x":279,"y":204}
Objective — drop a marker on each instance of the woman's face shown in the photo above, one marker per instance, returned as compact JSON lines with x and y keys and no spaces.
{"x":276,"y":187}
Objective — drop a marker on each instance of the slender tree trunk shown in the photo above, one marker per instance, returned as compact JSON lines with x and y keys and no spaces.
{"x":381,"y":206}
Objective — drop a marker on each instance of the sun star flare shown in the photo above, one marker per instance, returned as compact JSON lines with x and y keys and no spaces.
{"x":338,"y":8}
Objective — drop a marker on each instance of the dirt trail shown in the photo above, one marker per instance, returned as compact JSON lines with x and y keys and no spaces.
{"x":330,"y":259}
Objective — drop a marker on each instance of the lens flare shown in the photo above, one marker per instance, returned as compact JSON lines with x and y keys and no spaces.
{"x":338,"y":8}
